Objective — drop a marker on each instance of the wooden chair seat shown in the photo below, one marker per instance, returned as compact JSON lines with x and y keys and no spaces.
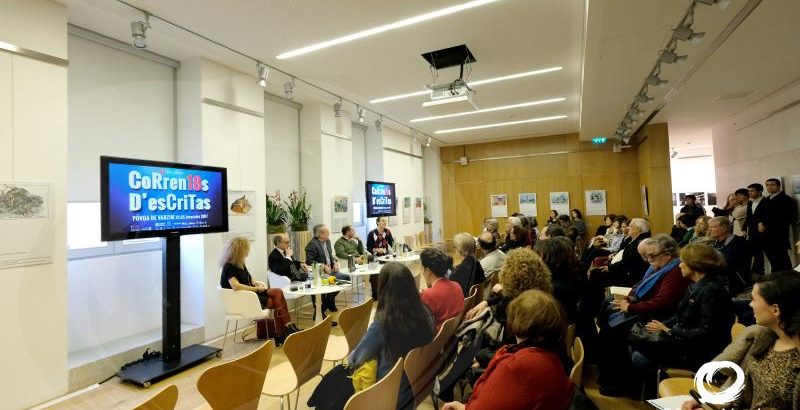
{"x":281,"y":380}
{"x":163,"y":400}
{"x":337,"y":348}
{"x":676,"y":386}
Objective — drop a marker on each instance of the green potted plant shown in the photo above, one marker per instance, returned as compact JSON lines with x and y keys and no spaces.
{"x":299,"y":210}
{"x":276,"y":214}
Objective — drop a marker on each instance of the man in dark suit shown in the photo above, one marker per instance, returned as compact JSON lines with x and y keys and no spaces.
{"x":692,"y":208}
{"x":319,"y":250}
{"x":280,"y":260}
{"x":734,"y":249}
{"x":781,"y":213}
{"x":756,"y":214}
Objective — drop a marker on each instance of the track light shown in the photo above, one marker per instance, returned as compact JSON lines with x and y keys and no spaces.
{"x":674,"y":153}
{"x":721,"y":3}
{"x":428,"y":142}
{"x":626,"y":140}
{"x":669,"y":56}
{"x":288,"y":89}
{"x":379,"y":124}
{"x":263,"y":73}
{"x":685,"y":33}
{"x":634,"y":111}
{"x":643,"y":98}
{"x":655,"y":80}
{"x":360,"y":112}
{"x":139,"y":32}
{"x":337,"y":108}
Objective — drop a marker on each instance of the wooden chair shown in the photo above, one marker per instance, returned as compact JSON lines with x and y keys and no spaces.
{"x":569,"y":339}
{"x":353,"y":322}
{"x":163,"y":400}
{"x":381,"y":395}
{"x":305,"y":351}
{"x":237,"y":384}
{"x":576,"y":374}
{"x":675,"y":386}
{"x":423,"y":363}
{"x":409,"y":241}
{"x":470,"y":302}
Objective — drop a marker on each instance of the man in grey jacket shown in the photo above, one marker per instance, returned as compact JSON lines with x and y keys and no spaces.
{"x":319,"y":250}
{"x":493,"y":258}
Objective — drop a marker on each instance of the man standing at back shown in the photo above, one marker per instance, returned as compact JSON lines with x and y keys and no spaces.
{"x":443,"y":297}
{"x":781,"y":213}
{"x":756,"y":213}
{"x":692,"y":208}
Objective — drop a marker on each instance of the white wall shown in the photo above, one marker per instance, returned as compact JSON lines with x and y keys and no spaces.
{"x":227,"y":138}
{"x":360,"y":173}
{"x":433,"y":189}
{"x":282,"y":134}
{"x":406,"y":171}
{"x":33,"y":135}
{"x":759,"y":143}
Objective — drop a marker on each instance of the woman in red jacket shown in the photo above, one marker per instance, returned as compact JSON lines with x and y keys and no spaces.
{"x":529,"y":374}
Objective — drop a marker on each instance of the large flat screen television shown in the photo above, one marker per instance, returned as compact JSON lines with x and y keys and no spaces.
{"x":145,"y":199}
{"x":381,"y":199}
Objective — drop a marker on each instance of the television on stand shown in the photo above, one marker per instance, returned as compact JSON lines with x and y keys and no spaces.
{"x":146,"y":199}
{"x":381,"y":199}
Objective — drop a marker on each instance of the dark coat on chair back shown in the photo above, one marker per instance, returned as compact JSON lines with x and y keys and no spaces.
{"x":632,"y":267}
{"x":468,"y":273}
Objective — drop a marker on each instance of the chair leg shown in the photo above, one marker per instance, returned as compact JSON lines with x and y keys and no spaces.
{"x":235,"y":330}
{"x":297,"y":398}
{"x":281,"y":402}
{"x":225,"y":337}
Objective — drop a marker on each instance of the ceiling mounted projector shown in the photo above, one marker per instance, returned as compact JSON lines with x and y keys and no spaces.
{"x":456,"y":95}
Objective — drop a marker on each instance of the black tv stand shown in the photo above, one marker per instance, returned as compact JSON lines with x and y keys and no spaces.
{"x":173,"y":359}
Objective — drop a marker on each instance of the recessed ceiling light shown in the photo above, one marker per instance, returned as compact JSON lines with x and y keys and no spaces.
{"x":501,"y":124}
{"x":471,"y":84}
{"x":386,"y":27}
{"x":505,"y":107}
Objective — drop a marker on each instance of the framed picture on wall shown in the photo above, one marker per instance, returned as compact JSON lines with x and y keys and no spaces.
{"x":645,"y":205}
{"x":527,"y":203}
{"x":499,"y":205}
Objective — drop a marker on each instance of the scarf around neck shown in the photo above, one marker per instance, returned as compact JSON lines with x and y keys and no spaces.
{"x":652,"y":277}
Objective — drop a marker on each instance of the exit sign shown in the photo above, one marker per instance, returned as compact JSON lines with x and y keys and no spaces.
{"x":599,"y":140}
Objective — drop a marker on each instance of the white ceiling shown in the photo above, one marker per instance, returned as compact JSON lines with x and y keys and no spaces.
{"x":507,"y":37}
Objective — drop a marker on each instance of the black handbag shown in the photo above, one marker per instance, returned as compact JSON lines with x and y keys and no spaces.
{"x":647,"y":342}
{"x":333,"y":391}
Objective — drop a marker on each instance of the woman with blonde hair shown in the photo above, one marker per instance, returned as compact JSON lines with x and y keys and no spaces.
{"x":235,"y":276}
{"x":469,"y":272}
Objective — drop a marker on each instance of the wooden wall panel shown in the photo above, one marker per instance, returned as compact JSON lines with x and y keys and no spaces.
{"x":584,"y":166}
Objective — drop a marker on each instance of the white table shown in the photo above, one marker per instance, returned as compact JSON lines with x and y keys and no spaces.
{"x":361,"y":271}
{"x":316,"y":290}
{"x":402,"y":259}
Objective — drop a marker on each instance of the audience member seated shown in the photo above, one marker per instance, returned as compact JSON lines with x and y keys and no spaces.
{"x":493,"y":258}
{"x":490,"y":225}
{"x":318,"y":250}
{"x":553,"y":219}
{"x":469,"y":272}
{"x":680,"y":228}
{"x":515,"y":238}
{"x":579,"y":225}
{"x":700,"y":233}
{"x":526,"y":227}
{"x":443,"y":296}
{"x":554,"y":231}
{"x":569,"y":231}
{"x":702,"y":326}
{"x":628,"y":270}
{"x":379,"y":243}
{"x":533,"y":225}
{"x":692,"y":208}
{"x":768,"y":352}
{"x":558,"y":255}
{"x":608,"y":221}
{"x":656,"y":296}
{"x":235,"y":276}
{"x":683,"y":223}
{"x":607,"y":244}
{"x":528,"y":374}
{"x":734,"y":249}
{"x":402,"y":322}
{"x":281,"y":259}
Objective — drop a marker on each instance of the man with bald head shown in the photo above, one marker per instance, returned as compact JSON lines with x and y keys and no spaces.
{"x":280,"y":259}
{"x":493,"y":258}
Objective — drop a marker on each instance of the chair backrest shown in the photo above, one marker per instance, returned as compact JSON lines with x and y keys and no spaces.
{"x":736,"y":330}
{"x":569,"y":339}
{"x":354,"y":322}
{"x":471,"y":301}
{"x":409,"y":240}
{"x":423,"y":363}
{"x":381,"y":395}
{"x":306,"y":349}
{"x":243,"y":303}
{"x":237,"y":384}
{"x":163,"y":400}
{"x":277,"y":281}
{"x":577,"y":355}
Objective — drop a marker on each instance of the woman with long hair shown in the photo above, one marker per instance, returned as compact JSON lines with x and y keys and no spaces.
{"x":402,"y":322}
{"x":235,"y":276}
{"x":560,"y":258}
{"x":527,"y":374}
{"x":769,"y":351}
